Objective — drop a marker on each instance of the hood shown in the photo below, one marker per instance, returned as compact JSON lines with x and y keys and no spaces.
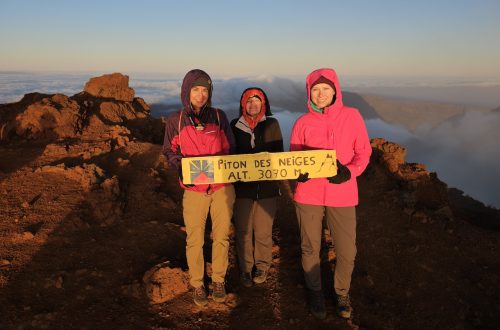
{"x":187,"y":83}
{"x":251,"y":91}
{"x":331,"y":75}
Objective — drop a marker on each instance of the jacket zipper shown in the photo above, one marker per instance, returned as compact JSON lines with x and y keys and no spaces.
{"x":330,"y":146}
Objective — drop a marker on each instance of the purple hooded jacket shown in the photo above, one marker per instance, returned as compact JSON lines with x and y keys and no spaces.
{"x":182,"y":139}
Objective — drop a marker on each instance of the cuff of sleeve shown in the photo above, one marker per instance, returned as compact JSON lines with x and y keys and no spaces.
{"x":354,"y":170}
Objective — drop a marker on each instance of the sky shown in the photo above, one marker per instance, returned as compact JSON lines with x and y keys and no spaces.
{"x":428,"y":38}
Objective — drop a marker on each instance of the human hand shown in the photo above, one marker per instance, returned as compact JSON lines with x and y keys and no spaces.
{"x":303,"y":177}
{"x":343,"y":174}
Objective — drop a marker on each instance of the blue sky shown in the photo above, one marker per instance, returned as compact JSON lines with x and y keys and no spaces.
{"x":432,"y":38}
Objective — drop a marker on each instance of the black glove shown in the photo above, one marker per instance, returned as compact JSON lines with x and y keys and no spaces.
{"x":343,"y":174}
{"x":303,"y":177}
{"x":181,"y":178}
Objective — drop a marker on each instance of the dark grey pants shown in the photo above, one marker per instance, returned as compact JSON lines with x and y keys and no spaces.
{"x":254,"y":226}
{"x":342,"y":224}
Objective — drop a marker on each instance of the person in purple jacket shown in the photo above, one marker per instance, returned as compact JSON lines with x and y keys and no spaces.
{"x":198,"y":129}
{"x":328,"y":124}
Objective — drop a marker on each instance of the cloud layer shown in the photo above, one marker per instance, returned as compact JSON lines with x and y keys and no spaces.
{"x":463,"y":151}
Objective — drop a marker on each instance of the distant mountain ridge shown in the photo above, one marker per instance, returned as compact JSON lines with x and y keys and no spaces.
{"x":411,"y":114}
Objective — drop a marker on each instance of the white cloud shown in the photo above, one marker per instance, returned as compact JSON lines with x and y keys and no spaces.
{"x":463,"y":151}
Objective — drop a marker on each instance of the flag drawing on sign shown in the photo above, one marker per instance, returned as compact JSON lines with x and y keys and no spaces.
{"x":202,"y":171}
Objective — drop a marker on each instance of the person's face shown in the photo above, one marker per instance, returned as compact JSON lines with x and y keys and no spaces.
{"x":198,"y":97}
{"x":253,"y":106}
{"x":322,"y":95}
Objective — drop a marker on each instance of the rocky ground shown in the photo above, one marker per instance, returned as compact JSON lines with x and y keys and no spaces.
{"x":91,"y":234}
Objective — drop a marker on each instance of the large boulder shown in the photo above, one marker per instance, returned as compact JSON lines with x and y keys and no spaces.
{"x":392,"y":154}
{"x":40,"y":116}
{"x":106,"y":102}
{"x":164,"y":282}
{"x":421,"y":188}
{"x":114,"y":86}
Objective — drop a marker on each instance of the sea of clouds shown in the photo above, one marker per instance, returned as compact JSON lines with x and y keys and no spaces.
{"x":462,"y":151}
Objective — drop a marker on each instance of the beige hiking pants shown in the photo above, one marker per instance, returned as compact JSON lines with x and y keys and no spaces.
{"x":196,"y":206}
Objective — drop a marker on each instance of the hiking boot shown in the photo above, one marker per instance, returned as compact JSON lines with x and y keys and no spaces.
{"x":260,"y":276}
{"x":317,"y":304}
{"x":218,"y":292}
{"x":246,"y":279}
{"x":200,"y":296}
{"x":344,"y":308}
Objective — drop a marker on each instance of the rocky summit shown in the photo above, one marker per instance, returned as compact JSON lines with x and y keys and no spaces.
{"x":92,"y":236}
{"x":113,"y":86}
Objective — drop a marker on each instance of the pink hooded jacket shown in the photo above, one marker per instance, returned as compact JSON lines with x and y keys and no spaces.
{"x":340,"y":128}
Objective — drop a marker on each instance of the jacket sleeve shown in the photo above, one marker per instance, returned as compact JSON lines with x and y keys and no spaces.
{"x":296,"y":137}
{"x":276,"y":143}
{"x":228,"y":143}
{"x":171,"y":148}
{"x":237,"y":148}
{"x":361,"y":147}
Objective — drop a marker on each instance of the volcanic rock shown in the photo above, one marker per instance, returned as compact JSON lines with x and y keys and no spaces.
{"x":48,"y":116}
{"x":422,"y":189}
{"x":114,"y":86}
{"x":164,"y":283}
{"x":89,"y":115}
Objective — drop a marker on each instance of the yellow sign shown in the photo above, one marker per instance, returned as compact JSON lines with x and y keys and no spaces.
{"x":258,"y":167}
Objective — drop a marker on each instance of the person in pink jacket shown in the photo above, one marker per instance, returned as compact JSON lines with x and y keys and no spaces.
{"x":329,"y":124}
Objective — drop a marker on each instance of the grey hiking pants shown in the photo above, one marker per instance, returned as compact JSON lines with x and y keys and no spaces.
{"x":253,"y":220}
{"x":342,"y":224}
